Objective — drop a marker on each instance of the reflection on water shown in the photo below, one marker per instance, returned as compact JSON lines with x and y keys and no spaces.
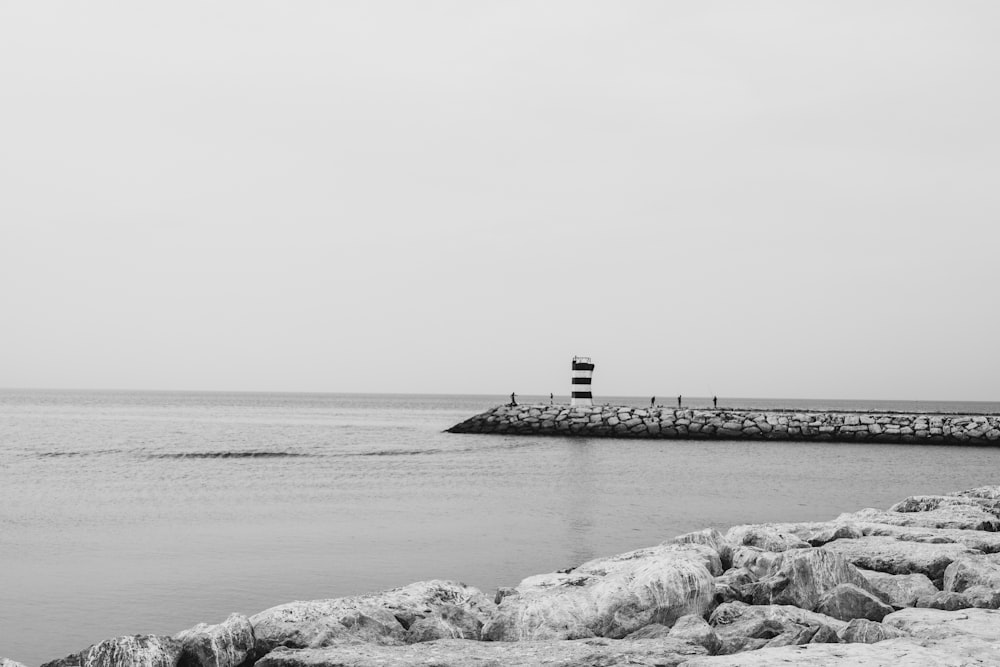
{"x":581,"y":492}
{"x":126,"y":513}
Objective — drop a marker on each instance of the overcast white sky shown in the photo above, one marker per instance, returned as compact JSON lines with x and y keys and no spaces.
{"x":756,"y":199}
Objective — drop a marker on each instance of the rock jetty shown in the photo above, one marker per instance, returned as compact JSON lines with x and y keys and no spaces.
{"x":915,"y":584}
{"x":606,"y":421}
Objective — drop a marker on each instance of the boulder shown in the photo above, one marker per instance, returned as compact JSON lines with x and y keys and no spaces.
{"x":969,"y":570}
{"x":928,"y":503}
{"x":863,"y":631}
{"x":732,"y":584}
{"x":609,"y":597}
{"x":901,"y":652}
{"x":899,"y":590}
{"x":594,"y":652}
{"x":984,"y":597}
{"x":819,"y":634}
{"x":135,"y":651}
{"x":972,"y":539}
{"x":741,"y":627}
{"x":695,"y":630}
{"x":227,"y":644}
{"x":803,"y":577}
{"x":952,"y":516}
{"x":848,"y":602}
{"x":766,"y":537}
{"x":651,"y":631}
{"x":712,"y":538}
{"x":887,"y":554}
{"x":817,"y":537}
{"x":949,"y":601}
{"x":7,"y":662}
{"x":450,"y":622}
{"x":376,"y":617}
{"x":988,"y":492}
{"x":759,"y":562}
{"x":983,"y":624}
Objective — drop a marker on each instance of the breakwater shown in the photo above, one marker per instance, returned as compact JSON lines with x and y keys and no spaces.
{"x":607,"y":421}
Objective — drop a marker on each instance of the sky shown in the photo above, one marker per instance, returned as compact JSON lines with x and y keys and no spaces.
{"x":752,"y":199}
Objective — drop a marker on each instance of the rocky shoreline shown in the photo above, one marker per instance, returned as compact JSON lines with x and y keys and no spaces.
{"x":607,"y":421}
{"x":916,"y":584}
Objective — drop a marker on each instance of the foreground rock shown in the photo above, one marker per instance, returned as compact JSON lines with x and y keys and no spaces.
{"x":902,"y":652}
{"x":228,"y":644}
{"x":133,"y":651}
{"x":742,"y":627}
{"x":899,"y":590}
{"x":7,"y":662}
{"x":462,"y":653}
{"x":609,"y":597}
{"x":382,"y":618}
{"x":892,"y":556}
{"x":961,"y":517}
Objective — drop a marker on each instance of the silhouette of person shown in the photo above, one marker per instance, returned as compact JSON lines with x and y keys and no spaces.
{"x":715,"y":401}
{"x":513,"y":399}
{"x":678,"y":401}
{"x":652,"y":401}
{"x":551,"y":398}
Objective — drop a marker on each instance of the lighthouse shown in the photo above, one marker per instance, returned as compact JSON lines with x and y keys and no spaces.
{"x":583,"y":371}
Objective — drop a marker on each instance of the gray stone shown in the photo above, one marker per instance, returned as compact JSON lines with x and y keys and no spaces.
{"x":134,"y":651}
{"x":848,"y":602}
{"x":594,"y":652}
{"x":761,"y":563}
{"x":863,"y":631}
{"x":887,"y":554}
{"x":946,"y":600}
{"x":804,"y":577}
{"x":970,"y":570}
{"x":695,"y":630}
{"x":936,"y":624}
{"x":448,"y":622}
{"x":743,"y":627}
{"x":901,"y":652}
{"x":952,"y":516}
{"x":764,"y":537}
{"x":900,"y":590}
{"x":712,"y":538}
{"x":227,"y":644}
{"x":376,"y":617}
{"x":609,"y":597}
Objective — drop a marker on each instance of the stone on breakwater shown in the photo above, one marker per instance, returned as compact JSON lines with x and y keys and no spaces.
{"x":227,"y":644}
{"x":766,"y":537}
{"x":609,"y":597}
{"x":804,"y":577}
{"x":135,"y":651}
{"x":892,"y":556}
{"x":594,"y":652}
{"x":935,"y":624}
{"x":742,"y":626}
{"x":848,"y":602}
{"x":971,"y":539}
{"x":863,"y":631}
{"x":901,"y":652}
{"x":376,"y":617}
{"x":7,"y":662}
{"x":899,"y":590}
{"x":955,"y":516}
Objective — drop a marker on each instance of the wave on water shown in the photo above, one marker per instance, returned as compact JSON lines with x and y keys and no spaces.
{"x":73,"y":453}
{"x":230,"y":455}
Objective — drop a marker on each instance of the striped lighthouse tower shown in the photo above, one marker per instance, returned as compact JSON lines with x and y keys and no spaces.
{"x":583,"y":371}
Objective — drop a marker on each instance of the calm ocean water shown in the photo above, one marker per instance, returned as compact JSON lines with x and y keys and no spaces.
{"x":148,"y":512}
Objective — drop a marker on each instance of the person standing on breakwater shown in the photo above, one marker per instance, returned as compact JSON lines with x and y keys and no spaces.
{"x":551,"y":398}
{"x":652,"y":401}
{"x":678,"y":401}
{"x":715,"y":401}
{"x":513,"y":399}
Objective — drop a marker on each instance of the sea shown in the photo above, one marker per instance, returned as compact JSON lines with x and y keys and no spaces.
{"x":128,"y":512}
